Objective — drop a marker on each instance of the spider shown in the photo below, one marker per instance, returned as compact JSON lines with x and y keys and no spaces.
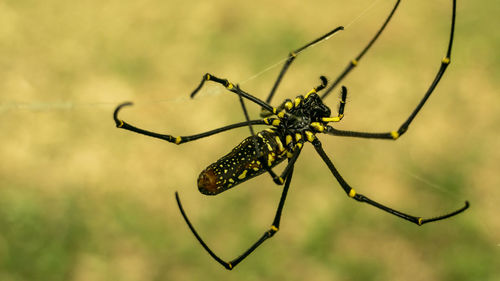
{"x":292,"y":124}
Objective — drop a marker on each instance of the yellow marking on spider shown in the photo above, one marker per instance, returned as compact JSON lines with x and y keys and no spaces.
{"x":274,"y":228}
{"x":318,"y":126}
{"x":231,"y":180}
{"x":352,"y":192}
{"x":269,"y":147}
{"x":297,"y":101}
{"x":274,"y":110}
{"x":281,"y":114}
{"x":313,"y":91}
{"x":293,"y":54}
{"x":298,"y":137}
{"x":229,"y":86}
{"x":354,"y":62}
{"x":310,"y":136}
{"x":281,"y":180}
{"x":230,"y":265}
{"x":266,"y":120}
{"x":289,"y":154}
{"x":270,"y":159}
{"x":446,"y":60}
{"x":331,"y":119}
{"x":280,"y":144}
{"x":276,"y":122}
{"x":243,"y":175}
{"x":288,"y":105}
{"x":299,"y":145}
{"x":178,"y":140}
{"x":288,"y":139}
{"x":420,"y":221}
{"x":207,"y":77}
{"x":121,"y":124}
{"x":395,"y":134}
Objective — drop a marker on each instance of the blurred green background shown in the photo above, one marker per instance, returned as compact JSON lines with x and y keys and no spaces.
{"x":82,"y":200}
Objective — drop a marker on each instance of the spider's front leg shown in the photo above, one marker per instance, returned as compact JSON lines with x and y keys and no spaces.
{"x":445,"y":62}
{"x":291,"y":57}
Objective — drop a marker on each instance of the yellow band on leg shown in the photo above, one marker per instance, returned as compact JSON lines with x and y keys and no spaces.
{"x":352,"y":192}
{"x":395,"y":134}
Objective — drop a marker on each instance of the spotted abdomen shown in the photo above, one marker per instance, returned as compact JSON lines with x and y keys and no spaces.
{"x":242,"y":163}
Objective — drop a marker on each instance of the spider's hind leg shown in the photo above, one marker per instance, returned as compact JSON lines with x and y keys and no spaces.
{"x":361,"y":198}
{"x":267,"y":234}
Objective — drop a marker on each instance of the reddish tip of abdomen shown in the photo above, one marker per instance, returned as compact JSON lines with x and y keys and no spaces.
{"x":207,"y":182}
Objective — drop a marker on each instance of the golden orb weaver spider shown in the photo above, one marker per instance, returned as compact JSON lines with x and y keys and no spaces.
{"x":292,"y":124}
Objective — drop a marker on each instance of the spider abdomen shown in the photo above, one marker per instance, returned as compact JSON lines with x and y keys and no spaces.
{"x":247,"y":160}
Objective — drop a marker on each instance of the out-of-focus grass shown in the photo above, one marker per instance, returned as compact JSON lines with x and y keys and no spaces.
{"x":81,"y":200}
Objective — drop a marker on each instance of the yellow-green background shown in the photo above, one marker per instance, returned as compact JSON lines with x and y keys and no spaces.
{"x":82,"y":200}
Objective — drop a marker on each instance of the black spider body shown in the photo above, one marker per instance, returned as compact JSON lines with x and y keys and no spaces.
{"x":244,"y":162}
{"x":297,"y":121}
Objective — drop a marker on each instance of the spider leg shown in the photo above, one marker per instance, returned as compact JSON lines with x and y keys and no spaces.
{"x":404,"y":127}
{"x":230,"y":86}
{"x":340,"y":111}
{"x":268,"y":234}
{"x":361,"y":198}
{"x":180,"y":139}
{"x":291,"y":57}
{"x":353,"y":63}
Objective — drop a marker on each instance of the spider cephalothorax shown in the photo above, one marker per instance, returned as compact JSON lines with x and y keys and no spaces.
{"x":304,"y":111}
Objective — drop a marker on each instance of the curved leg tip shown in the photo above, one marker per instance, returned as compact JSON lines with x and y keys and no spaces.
{"x":177,"y":196}
{"x":467,"y":205}
{"x":324,"y":80}
{"x":178,"y":199}
{"x":119,"y":123}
